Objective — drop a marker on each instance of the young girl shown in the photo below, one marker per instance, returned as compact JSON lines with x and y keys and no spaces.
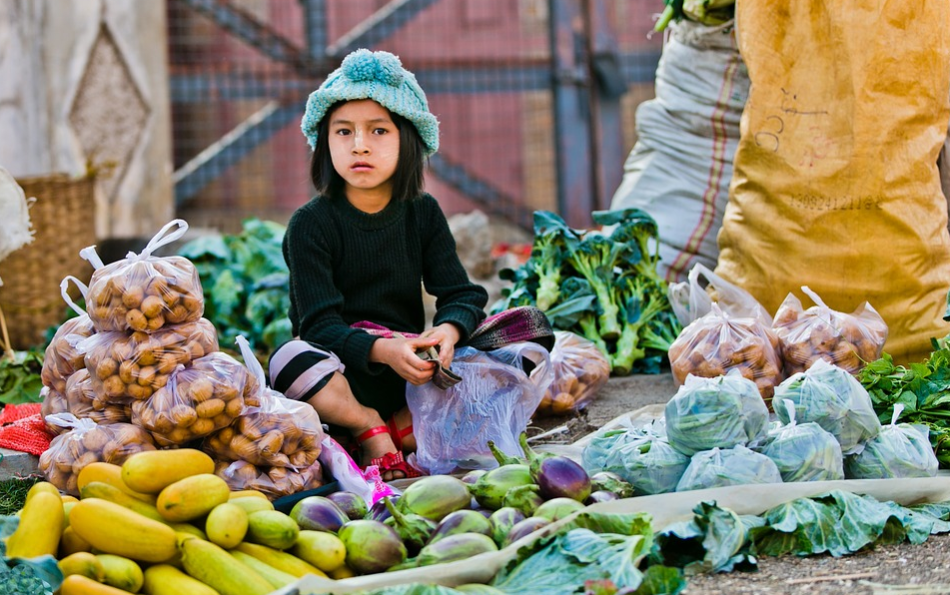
{"x":360,"y":250}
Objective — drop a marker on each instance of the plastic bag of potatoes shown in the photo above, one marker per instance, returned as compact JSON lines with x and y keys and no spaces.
{"x":132,"y":366}
{"x":279,"y":432}
{"x":143,"y":292}
{"x":62,"y":357}
{"x":580,"y":371}
{"x":85,"y":443}
{"x":845,"y":340}
{"x":273,"y":481}
{"x":716,"y":343}
{"x":198,"y":400}
{"x":81,"y":399}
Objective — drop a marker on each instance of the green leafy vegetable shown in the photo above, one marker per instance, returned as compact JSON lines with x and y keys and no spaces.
{"x":20,"y":380}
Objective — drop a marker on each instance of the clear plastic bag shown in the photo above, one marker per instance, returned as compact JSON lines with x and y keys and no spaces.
{"x":832,"y":398}
{"x":721,"y":467}
{"x":580,"y":371}
{"x":277,"y":433}
{"x":848,"y":341}
{"x":899,"y":450}
{"x":804,"y":452}
{"x":606,"y":441}
{"x":62,"y":357}
{"x":85,"y":443}
{"x":132,"y":366}
{"x":721,"y":412}
{"x":143,"y":292}
{"x":198,"y":400}
{"x":716,"y":343}
{"x":694,"y":298}
{"x":649,"y":464}
{"x":81,"y":399}
{"x":494,"y":401}
{"x":275,"y":482}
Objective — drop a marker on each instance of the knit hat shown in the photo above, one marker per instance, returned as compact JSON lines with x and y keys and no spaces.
{"x":378,"y":76}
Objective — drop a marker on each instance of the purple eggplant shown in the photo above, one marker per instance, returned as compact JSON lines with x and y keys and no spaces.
{"x":502,"y":521}
{"x":525,"y":527}
{"x":558,"y":508}
{"x":316,"y":513}
{"x":462,"y":521}
{"x":455,"y":547}
{"x":502,"y":457}
{"x":601,"y":496}
{"x":414,"y":530}
{"x":472,"y":476}
{"x":490,"y":489}
{"x":371,"y":546}
{"x":378,"y":511}
{"x":611,"y":482}
{"x":527,"y":499}
{"x":557,"y":476}
{"x":435,"y":496}
{"x":352,"y":505}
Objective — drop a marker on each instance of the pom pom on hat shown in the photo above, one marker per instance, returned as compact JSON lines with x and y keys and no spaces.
{"x":378,"y":76}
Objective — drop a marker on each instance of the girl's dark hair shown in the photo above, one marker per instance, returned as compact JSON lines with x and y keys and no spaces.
{"x":408,"y":179}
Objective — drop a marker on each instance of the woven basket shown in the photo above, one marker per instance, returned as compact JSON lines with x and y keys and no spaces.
{"x":63,"y":219}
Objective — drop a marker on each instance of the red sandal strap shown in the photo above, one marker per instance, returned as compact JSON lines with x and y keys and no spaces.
{"x":372,"y":432}
{"x":396,"y":433}
{"x":394,"y":461}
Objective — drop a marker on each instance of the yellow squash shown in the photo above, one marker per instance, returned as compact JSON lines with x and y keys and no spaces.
{"x":112,"y":475}
{"x":272,"y":528}
{"x":84,"y":564}
{"x":288,"y":563}
{"x":76,"y":584}
{"x":152,"y":471}
{"x":41,"y":526}
{"x":226,"y":525}
{"x":163,"y":579}
{"x":192,"y":497}
{"x":114,"y":529}
{"x":277,"y":578}
{"x":219,"y":570}
{"x":121,"y":573}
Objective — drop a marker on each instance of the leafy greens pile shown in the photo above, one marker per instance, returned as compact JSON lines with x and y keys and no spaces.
{"x":20,"y":380}
{"x":246,"y":283}
{"x":603,"y":287}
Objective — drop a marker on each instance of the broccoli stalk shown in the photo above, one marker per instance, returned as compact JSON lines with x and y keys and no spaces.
{"x":640,"y":308}
{"x":595,"y":259}
{"x":589,"y":330}
{"x":546,"y":257}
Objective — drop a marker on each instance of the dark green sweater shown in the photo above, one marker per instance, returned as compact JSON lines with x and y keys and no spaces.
{"x":348,"y":266}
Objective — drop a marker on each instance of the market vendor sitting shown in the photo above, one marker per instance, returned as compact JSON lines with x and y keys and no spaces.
{"x":358,"y":252}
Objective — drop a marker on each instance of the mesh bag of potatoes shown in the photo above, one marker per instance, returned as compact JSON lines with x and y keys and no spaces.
{"x":273,"y":481}
{"x":143,"y":292}
{"x":716,"y":343}
{"x":81,"y":399}
{"x":580,"y":371}
{"x":848,"y":341}
{"x":62,"y":357}
{"x":87,"y":442}
{"x":132,"y":366}
{"x":279,"y":432}
{"x":198,"y":400}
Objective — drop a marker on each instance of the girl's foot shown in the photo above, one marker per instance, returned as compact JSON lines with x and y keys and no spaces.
{"x":379,"y":449}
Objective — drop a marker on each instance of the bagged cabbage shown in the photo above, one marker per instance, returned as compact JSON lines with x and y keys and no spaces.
{"x":142,"y":292}
{"x":62,"y":358}
{"x":605,"y":441}
{"x":804,"y":452}
{"x":279,"y":432}
{"x":832,"y":398}
{"x":81,"y":400}
{"x":272,"y":481}
{"x":721,"y":412}
{"x":845,"y":340}
{"x":198,"y":400}
{"x":899,"y":450}
{"x":580,"y":371}
{"x":718,"y":468}
{"x":716,"y":343}
{"x":649,"y":464}
{"x":132,"y":366}
{"x":86,"y":443}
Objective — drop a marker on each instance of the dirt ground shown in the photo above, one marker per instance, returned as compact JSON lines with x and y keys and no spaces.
{"x":888,"y":570}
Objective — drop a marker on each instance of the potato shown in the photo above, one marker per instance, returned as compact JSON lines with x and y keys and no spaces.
{"x":272,"y":481}
{"x":62,"y":358}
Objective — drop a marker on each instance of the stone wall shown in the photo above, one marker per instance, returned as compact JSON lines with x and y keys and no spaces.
{"x":85,"y":82}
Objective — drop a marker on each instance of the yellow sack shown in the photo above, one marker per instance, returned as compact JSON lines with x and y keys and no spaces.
{"x":836,"y":183}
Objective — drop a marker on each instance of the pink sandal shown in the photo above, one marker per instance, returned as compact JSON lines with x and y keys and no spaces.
{"x":391,"y":461}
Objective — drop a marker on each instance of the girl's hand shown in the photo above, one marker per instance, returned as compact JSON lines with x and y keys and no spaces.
{"x":447,"y":336}
{"x":400,"y":355}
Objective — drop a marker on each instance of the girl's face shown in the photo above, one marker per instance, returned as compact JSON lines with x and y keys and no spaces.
{"x":364,"y":147}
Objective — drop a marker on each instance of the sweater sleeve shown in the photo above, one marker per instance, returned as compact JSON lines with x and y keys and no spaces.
{"x":316,"y":303}
{"x":458,"y":300}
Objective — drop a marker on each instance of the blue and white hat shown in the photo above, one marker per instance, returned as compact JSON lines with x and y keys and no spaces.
{"x":378,"y":76}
